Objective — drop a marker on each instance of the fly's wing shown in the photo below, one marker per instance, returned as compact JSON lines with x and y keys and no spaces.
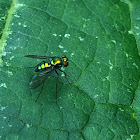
{"x":39,"y":78}
{"x":39,"y":57}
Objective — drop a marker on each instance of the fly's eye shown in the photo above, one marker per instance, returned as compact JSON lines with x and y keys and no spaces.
{"x":65,"y":63}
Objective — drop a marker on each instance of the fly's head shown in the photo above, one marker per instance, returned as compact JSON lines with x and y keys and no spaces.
{"x":65,"y":61}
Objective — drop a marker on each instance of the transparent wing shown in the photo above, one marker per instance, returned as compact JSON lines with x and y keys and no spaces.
{"x":39,"y":57}
{"x":39,"y":78}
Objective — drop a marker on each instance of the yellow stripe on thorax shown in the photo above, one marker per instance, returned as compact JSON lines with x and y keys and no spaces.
{"x":57,"y":61}
{"x":52,"y":62}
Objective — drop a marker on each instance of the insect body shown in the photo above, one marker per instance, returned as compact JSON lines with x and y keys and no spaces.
{"x":56,"y":62}
{"x":44,"y":69}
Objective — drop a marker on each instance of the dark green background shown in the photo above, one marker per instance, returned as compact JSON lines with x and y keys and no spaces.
{"x":101,"y":40}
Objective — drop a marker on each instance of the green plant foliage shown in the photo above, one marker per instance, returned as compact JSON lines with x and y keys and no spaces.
{"x":101,"y":40}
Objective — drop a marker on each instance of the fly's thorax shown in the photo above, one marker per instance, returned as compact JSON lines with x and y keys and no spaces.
{"x":56,"y":61}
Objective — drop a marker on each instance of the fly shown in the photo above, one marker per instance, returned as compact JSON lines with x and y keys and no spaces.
{"x":45,"y":68}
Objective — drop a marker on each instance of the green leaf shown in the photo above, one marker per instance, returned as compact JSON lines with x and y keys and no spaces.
{"x":101,"y":40}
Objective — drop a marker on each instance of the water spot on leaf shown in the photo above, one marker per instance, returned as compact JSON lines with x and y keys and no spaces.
{"x":130,"y":32}
{"x":71,"y":54}
{"x":111,"y":65}
{"x":9,"y":73}
{"x":60,"y":46}
{"x":24,"y":25}
{"x":121,"y":109}
{"x":9,"y":125}
{"x":61,"y":107}
{"x":4,"y":118}
{"x":2,"y":108}
{"x":54,"y":34}
{"x":62,"y":68}
{"x":7,"y":64}
{"x":4,"y":53}
{"x":3,"y":85}
{"x":19,"y":5}
{"x":136,"y":27}
{"x":107,"y":78}
{"x":67,"y":35}
{"x":11,"y":57}
{"x":103,"y":80}
{"x":114,"y":41}
{"x":126,"y":55}
{"x":137,"y":33}
{"x":27,"y":125}
{"x":134,"y":64}
{"x":81,"y":39}
{"x":15,"y":15}
{"x":62,"y":74}
{"x":65,"y":51}
{"x":95,"y":96}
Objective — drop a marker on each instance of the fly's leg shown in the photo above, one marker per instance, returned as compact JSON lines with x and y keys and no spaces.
{"x":40,"y":91}
{"x":56,"y":83}
{"x":65,"y":75}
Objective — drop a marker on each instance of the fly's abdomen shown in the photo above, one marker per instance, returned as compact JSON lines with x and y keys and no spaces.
{"x":42,"y":67}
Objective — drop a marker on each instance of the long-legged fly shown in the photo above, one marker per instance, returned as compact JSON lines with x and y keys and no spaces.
{"x":45,"y":68}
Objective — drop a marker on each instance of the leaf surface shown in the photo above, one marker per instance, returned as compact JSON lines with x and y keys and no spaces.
{"x":101,"y":40}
